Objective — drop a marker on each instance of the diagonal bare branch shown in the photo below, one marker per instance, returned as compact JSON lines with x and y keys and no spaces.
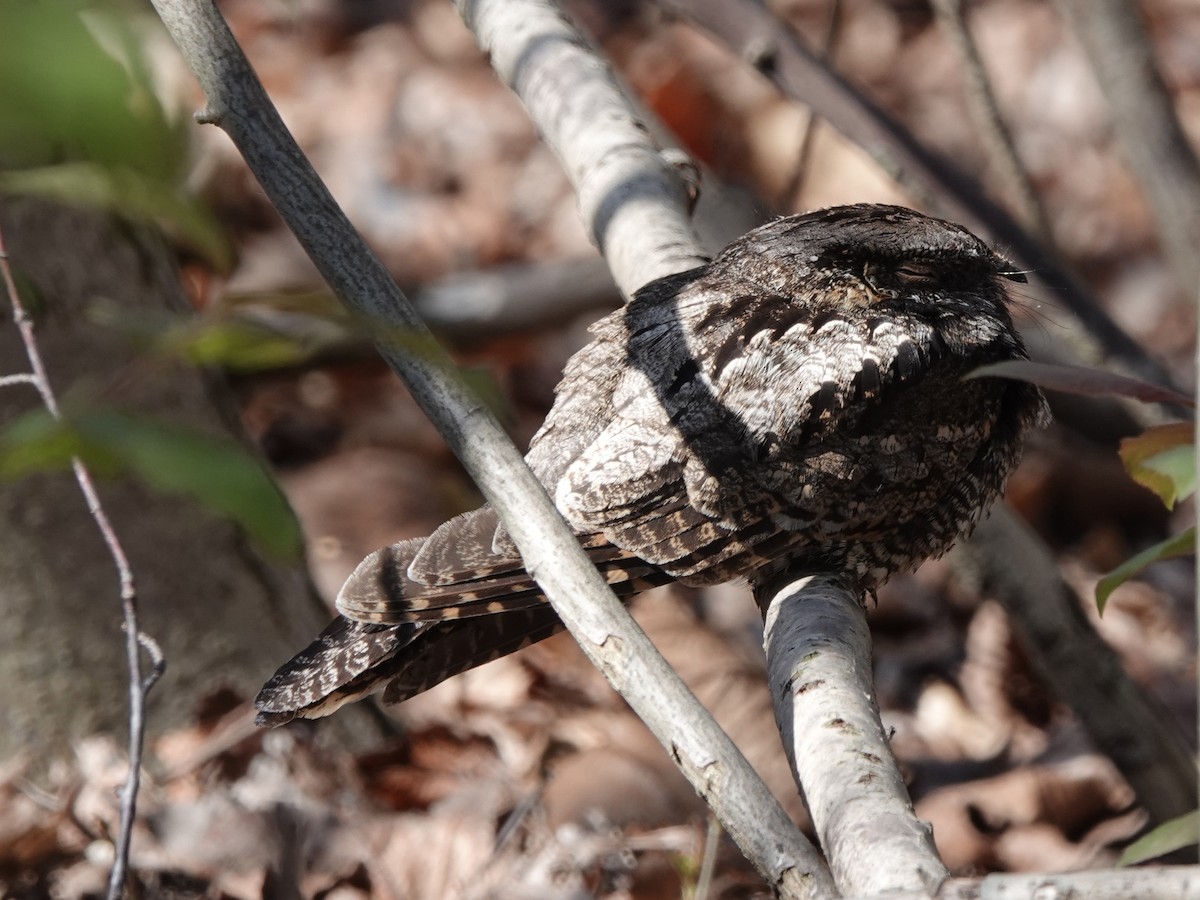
{"x":238,"y":103}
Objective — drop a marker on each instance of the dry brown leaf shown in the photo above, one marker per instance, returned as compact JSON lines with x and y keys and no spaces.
{"x":972,"y":822}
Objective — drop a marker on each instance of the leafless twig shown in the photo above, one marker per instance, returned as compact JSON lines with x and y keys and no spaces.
{"x":135,"y":639}
{"x":997,"y":141}
{"x":790,"y":195}
{"x":708,"y":861}
{"x":1196,"y":599}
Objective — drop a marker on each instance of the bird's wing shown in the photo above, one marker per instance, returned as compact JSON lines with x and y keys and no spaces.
{"x":335,"y":668}
{"x":697,"y":467}
{"x":410,"y":635}
{"x":456,"y":574}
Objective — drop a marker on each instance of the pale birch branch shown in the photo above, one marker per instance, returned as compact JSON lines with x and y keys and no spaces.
{"x":517,"y":297}
{"x":603,"y":628}
{"x":1174,"y":882}
{"x":819,"y":668}
{"x":632,"y":200}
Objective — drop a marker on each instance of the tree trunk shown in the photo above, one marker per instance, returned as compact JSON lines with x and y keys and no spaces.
{"x":223,"y":615}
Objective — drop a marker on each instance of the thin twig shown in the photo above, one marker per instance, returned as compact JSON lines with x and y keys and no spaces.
{"x":708,"y":862}
{"x":158,"y":662}
{"x":629,"y":191}
{"x":139,"y":686}
{"x":789,"y":198}
{"x":997,"y":140}
{"x":20,"y":378}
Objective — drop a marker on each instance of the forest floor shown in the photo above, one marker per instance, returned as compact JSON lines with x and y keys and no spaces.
{"x":529,"y":777}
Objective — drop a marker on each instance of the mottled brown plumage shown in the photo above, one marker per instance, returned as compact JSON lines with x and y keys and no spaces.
{"x":797,"y":404}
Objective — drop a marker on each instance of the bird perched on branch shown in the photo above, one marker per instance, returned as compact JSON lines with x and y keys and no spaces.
{"x":798,"y":404}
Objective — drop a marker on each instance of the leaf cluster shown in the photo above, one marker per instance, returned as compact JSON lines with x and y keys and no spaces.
{"x":81,"y":121}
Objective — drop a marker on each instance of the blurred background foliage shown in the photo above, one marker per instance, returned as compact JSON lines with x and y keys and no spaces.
{"x":83,"y":122}
{"x":82,"y":119}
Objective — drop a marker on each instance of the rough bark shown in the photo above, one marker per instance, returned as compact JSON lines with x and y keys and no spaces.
{"x":819,"y":659}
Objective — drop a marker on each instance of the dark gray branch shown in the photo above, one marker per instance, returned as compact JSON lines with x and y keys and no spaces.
{"x":983,"y":108}
{"x":1145,"y":123}
{"x":749,"y":29}
{"x":1085,"y":671}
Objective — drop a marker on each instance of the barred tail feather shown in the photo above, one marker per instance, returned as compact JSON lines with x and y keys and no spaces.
{"x":451,"y":648}
{"x":336,"y":668}
{"x":468,"y":608}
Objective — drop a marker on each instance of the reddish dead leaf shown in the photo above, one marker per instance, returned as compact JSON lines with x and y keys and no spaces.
{"x":1082,"y":380}
{"x":984,"y":824}
{"x":435,"y":763}
{"x":1040,"y":848}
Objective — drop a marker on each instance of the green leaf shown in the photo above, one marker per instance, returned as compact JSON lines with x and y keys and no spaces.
{"x":77,"y":88}
{"x":131,"y":194}
{"x":1168,"y":837}
{"x":1176,"y":468}
{"x":1179,"y":545}
{"x":233,"y":342}
{"x":219,"y":474}
{"x":81,"y":122}
{"x":37,"y":442}
{"x":1081,"y":380}
{"x":1164,"y":460}
{"x":237,"y":346}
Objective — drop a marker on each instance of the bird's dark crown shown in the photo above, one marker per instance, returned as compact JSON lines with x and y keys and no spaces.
{"x":898,"y":253}
{"x":843,"y":236}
